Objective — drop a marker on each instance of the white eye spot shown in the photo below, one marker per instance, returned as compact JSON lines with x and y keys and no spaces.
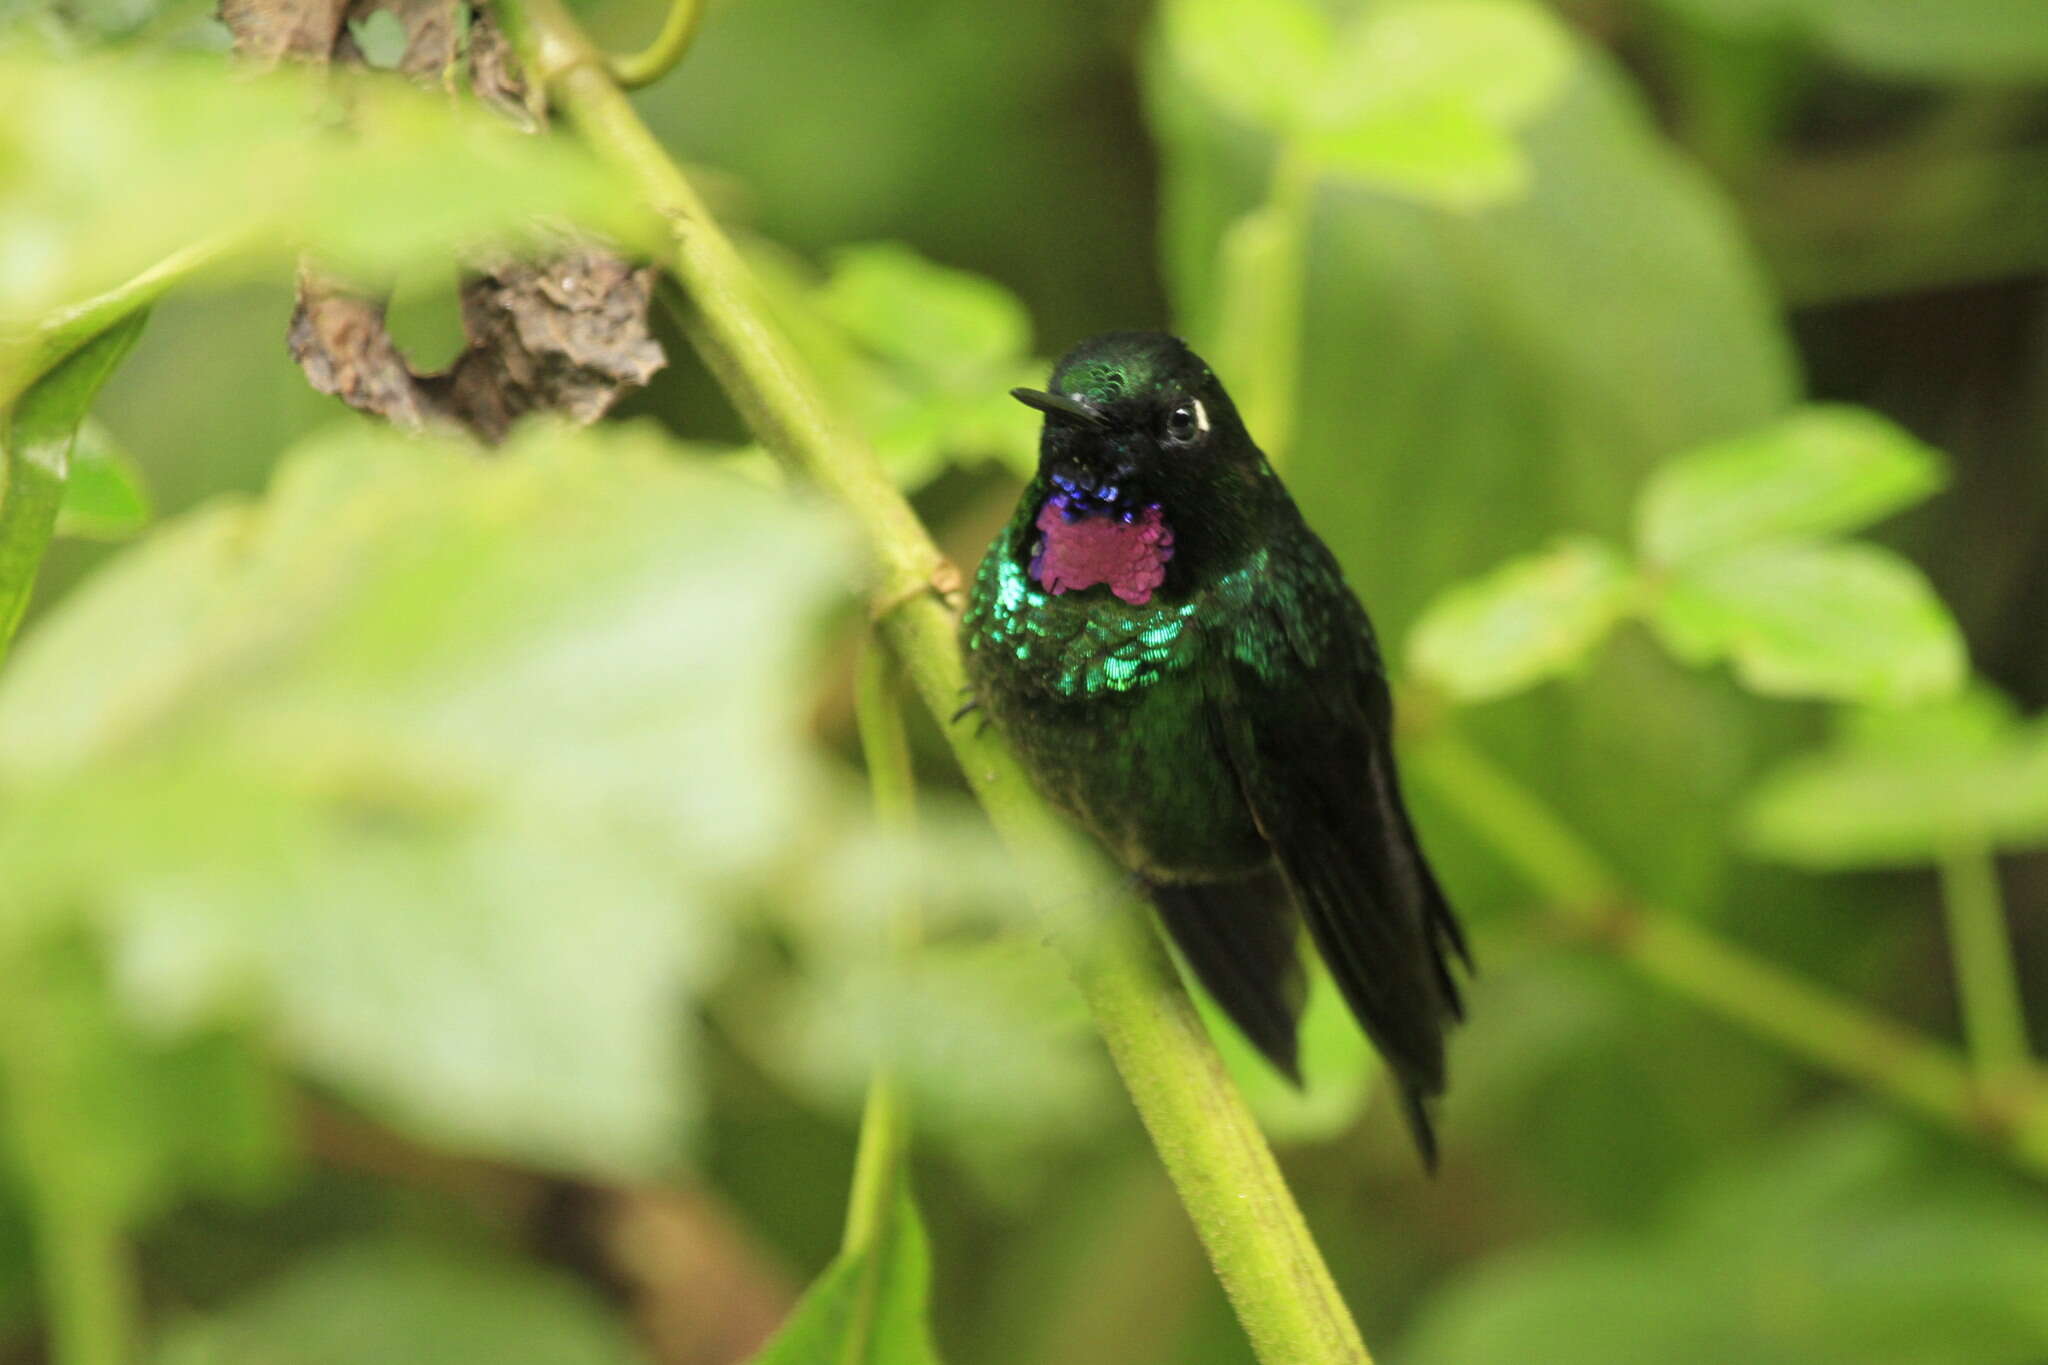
{"x":1201,"y":419}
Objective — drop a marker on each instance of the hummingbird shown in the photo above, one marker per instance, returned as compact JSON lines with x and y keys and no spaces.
{"x":1180,"y":666}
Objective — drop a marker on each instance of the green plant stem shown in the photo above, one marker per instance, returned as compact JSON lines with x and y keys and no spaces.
{"x":1994,"y":1019}
{"x":1806,"y":1020}
{"x":1207,"y":1139}
{"x":81,"y":1255}
{"x":88,"y":1283}
{"x":1264,"y":271}
{"x":892,"y":784}
{"x":648,"y":65}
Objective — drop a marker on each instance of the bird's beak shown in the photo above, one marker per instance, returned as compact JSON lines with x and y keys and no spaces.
{"x":1059,"y":405}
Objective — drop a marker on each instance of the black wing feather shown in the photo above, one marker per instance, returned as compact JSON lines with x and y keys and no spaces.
{"x":1238,"y":937}
{"x":1317,"y":771}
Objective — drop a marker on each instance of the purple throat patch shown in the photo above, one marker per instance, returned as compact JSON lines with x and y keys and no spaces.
{"x":1077,"y":550}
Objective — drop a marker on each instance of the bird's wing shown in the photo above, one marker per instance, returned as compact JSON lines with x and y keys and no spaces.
{"x":1309,"y":738}
{"x":1239,"y":938}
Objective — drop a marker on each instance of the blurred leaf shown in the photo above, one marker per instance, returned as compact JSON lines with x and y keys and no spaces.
{"x":342,"y":760}
{"x":1906,"y":787}
{"x":112,"y":165}
{"x":1528,"y":620}
{"x":1848,"y":621}
{"x":103,"y":497}
{"x":1263,"y":61}
{"x":36,"y":439}
{"x":1818,"y":471}
{"x":377,"y":1304}
{"x":987,"y":1040}
{"x":1426,"y":97}
{"x":1951,"y":41}
{"x":947,"y":324}
{"x":108,"y":1124}
{"x":1847,"y":1247}
{"x":868,"y":1308}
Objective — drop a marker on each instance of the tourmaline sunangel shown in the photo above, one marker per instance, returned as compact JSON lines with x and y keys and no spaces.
{"x":1180,"y":665}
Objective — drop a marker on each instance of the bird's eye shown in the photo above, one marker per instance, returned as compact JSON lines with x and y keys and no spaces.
{"x":1187,"y":423}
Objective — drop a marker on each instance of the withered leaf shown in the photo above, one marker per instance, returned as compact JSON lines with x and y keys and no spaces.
{"x":268,"y":31}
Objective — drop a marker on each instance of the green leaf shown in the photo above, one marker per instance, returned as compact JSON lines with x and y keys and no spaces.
{"x":923,"y":356}
{"x":379,"y":1303}
{"x":114,"y":164}
{"x":1974,"y":41}
{"x":1848,"y":622}
{"x":344,"y":763}
{"x":1819,"y":470}
{"x":1906,"y":787}
{"x":934,"y":321}
{"x":1528,"y":620}
{"x":104,"y":497}
{"x":35,"y":459}
{"x":868,"y":1308}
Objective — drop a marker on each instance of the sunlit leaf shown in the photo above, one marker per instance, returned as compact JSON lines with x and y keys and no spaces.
{"x":1848,"y":621}
{"x":1265,"y":61}
{"x":440,"y":767}
{"x":1902,"y":787}
{"x":376,"y":1303}
{"x":1819,"y":470}
{"x":1426,"y":97}
{"x":1528,"y":620}
{"x":1422,"y":99}
{"x":868,"y":1308}
{"x":104,"y":497}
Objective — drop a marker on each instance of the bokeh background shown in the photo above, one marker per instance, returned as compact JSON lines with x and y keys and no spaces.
{"x":1576,"y":243}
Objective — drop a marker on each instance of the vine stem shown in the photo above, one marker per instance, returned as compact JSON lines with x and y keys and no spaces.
{"x":658,"y":58}
{"x":1807,"y":1020}
{"x":1218,"y":1160}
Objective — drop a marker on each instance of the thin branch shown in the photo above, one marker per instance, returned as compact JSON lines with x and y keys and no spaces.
{"x":1809,"y":1021}
{"x":658,"y":58}
{"x":1206,"y":1137}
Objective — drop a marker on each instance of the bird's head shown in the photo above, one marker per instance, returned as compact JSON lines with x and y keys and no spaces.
{"x":1146,"y":473}
{"x":1135,"y":418}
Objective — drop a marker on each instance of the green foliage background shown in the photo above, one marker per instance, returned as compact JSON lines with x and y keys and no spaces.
{"x":417,"y":872}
